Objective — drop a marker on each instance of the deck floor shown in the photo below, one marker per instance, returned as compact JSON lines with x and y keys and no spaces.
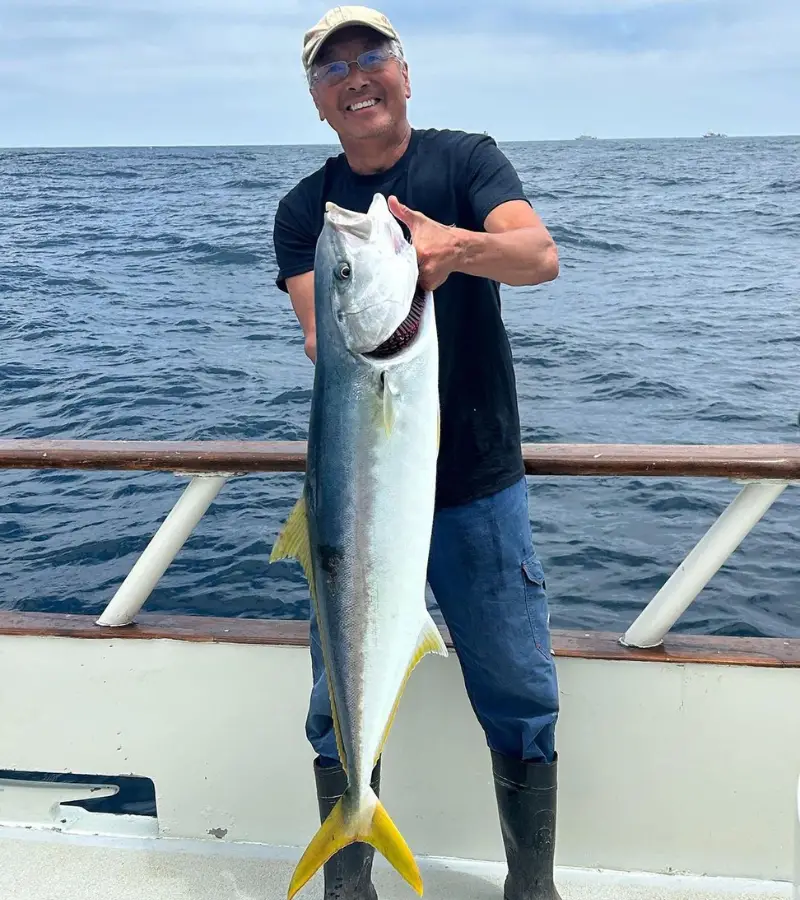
{"x":36,"y":866}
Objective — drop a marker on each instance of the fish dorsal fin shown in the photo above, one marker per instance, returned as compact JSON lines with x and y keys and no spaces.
{"x":294,"y":543}
{"x":430,"y":641}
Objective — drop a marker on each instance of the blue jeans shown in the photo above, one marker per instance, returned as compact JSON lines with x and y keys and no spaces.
{"x":489,"y":585}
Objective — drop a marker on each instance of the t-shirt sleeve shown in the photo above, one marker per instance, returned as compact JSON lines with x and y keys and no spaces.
{"x":294,"y":240}
{"x":490,"y":179}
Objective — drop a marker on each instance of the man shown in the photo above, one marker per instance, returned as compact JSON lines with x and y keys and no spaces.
{"x":464,"y":209}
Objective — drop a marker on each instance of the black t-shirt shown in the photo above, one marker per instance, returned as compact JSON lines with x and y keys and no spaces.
{"x":455,"y":178}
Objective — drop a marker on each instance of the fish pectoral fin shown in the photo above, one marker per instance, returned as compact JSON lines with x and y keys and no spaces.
{"x":335,"y":833}
{"x":389,"y":413}
{"x":293,"y":542}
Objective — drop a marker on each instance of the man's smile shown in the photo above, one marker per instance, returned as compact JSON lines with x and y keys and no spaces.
{"x":366,"y":103}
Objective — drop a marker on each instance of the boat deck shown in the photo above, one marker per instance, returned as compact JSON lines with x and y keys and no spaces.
{"x":37,"y":865}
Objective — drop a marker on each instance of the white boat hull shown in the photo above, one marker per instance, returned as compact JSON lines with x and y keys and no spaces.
{"x":665,"y":768}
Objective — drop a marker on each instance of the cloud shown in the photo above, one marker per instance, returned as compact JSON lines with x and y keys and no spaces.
{"x":228,"y":71}
{"x":670,"y":75}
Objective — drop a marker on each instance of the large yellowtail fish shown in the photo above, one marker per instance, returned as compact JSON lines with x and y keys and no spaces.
{"x":362,"y":526}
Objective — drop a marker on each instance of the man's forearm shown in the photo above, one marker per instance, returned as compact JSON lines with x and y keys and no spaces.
{"x":301,"y":293}
{"x":516,"y":257}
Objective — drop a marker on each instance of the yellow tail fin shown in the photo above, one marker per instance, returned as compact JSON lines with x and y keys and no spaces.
{"x":335,"y":834}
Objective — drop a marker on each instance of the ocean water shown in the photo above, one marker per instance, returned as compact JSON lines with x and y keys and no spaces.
{"x":137,"y":301}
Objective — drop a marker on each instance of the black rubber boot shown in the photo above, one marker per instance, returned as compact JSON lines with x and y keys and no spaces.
{"x":348,"y":873}
{"x":526,"y":802}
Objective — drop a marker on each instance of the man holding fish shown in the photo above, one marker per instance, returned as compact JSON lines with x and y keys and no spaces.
{"x":414,"y":467}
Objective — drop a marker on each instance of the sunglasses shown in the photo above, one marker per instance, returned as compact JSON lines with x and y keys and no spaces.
{"x":336,"y":72}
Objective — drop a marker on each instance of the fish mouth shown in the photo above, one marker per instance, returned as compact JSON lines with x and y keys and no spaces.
{"x":405,"y":332}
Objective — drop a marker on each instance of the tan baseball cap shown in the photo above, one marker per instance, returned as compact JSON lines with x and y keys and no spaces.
{"x":340,"y":17}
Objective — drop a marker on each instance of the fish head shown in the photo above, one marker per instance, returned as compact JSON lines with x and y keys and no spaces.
{"x":372,"y":272}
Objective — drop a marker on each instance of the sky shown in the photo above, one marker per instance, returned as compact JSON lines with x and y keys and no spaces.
{"x":213,"y":72}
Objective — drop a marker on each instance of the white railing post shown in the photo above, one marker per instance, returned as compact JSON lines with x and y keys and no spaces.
{"x":162,"y":549}
{"x":713,"y":549}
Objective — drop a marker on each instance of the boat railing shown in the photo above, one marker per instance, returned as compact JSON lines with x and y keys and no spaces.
{"x":763,"y":470}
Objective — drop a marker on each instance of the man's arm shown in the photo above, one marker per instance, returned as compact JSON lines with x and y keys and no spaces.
{"x":301,"y":293}
{"x":294,"y":237}
{"x":516,"y":248}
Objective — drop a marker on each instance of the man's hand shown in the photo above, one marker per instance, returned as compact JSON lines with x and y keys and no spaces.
{"x":437,"y":245}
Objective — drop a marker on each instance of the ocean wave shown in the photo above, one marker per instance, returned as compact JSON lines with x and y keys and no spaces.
{"x":574,"y":237}
{"x":253,"y":184}
{"x":217,"y":254}
{"x":785,"y":186}
{"x":198,"y":251}
{"x":640,"y":389}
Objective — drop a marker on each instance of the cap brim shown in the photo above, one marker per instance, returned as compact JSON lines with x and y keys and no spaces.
{"x":350,"y":23}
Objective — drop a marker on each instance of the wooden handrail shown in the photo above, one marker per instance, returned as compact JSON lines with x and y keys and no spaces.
{"x":679,"y":648}
{"x":755,"y":461}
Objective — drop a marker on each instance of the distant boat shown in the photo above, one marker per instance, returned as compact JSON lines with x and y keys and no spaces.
{"x":586,"y":137}
{"x":710,"y":134}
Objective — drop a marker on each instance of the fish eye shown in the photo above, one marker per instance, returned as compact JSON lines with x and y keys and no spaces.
{"x":342,"y":271}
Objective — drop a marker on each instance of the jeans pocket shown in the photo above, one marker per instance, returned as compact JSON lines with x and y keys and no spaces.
{"x":535,"y":588}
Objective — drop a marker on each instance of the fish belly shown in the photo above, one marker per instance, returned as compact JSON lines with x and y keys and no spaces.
{"x":376,"y":616}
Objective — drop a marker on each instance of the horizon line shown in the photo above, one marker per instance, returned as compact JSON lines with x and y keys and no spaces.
{"x":570,"y":140}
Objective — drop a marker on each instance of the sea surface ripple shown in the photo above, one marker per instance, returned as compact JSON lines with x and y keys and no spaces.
{"x":137,"y":301}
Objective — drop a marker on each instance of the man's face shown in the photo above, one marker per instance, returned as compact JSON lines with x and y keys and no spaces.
{"x":360,"y":104}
